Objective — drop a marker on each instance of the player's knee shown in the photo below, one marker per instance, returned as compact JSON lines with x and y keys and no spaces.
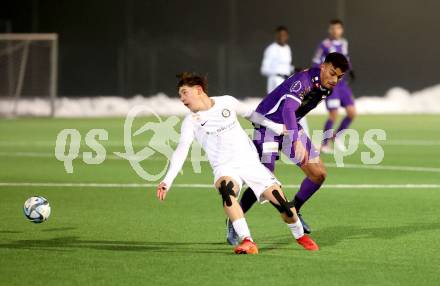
{"x":318,"y":176}
{"x":322,"y":175}
{"x":226,"y":190}
{"x":285,"y":207}
{"x":351,"y":113}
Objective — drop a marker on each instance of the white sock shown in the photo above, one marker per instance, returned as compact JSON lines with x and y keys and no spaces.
{"x":241,"y":228}
{"x":296,"y":229}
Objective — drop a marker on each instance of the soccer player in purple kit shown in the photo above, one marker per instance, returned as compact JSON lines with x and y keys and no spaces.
{"x":287,"y":104}
{"x":342,"y":94}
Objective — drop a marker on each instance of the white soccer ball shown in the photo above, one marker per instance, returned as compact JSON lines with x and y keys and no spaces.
{"x":36,"y":209}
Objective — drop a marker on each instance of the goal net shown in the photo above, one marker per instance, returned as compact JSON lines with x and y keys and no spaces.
{"x":28,"y":74}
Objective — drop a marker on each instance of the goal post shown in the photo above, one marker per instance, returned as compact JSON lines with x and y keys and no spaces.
{"x":28,"y":72}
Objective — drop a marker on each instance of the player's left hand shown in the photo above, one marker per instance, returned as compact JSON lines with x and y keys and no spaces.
{"x":161,"y":191}
{"x":300,"y":152}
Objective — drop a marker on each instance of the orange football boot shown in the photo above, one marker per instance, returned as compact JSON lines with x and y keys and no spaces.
{"x":247,"y":246}
{"x":308,"y":243}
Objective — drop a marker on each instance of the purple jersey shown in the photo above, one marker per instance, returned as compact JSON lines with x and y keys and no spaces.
{"x":330,"y":46}
{"x":302,"y":90}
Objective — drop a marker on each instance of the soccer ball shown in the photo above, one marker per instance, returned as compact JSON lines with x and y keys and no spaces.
{"x":36,"y":209}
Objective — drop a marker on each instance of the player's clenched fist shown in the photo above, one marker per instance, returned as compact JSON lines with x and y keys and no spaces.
{"x":161,"y":191}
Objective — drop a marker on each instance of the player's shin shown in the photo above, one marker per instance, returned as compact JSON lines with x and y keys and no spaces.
{"x":247,"y":200}
{"x":328,"y":126}
{"x":344,"y":124}
{"x":287,"y":211}
{"x":296,"y":228}
{"x":233,"y":210}
{"x":290,"y":216}
{"x":306,"y":191}
{"x":242,"y":229}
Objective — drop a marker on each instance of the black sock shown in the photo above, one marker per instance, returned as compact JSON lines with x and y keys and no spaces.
{"x":247,"y":200}
{"x":297,"y":202}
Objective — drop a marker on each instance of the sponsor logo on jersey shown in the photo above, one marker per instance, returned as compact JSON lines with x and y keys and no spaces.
{"x":222,"y":129}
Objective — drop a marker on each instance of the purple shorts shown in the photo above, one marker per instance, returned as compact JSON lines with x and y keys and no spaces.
{"x":269,"y":145}
{"x":341,"y":96}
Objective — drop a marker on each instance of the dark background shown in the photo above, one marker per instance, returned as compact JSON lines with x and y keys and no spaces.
{"x":136,"y":47}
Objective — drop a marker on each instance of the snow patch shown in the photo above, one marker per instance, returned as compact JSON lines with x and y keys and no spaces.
{"x":396,"y":101}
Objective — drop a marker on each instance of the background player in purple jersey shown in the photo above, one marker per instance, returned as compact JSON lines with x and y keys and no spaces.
{"x":287,"y":104}
{"x":342,"y":95}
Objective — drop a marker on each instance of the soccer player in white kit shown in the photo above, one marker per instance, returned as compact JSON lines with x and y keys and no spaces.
{"x":232,"y":155}
{"x":277,"y":64}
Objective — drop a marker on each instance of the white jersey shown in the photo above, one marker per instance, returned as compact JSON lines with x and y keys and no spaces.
{"x":219,"y":133}
{"x":277,"y":60}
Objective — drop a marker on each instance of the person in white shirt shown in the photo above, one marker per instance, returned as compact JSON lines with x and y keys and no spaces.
{"x":232,"y":155}
{"x":277,"y":64}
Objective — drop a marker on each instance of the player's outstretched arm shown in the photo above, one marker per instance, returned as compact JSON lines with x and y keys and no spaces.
{"x":177,"y":159}
{"x":256,"y":117}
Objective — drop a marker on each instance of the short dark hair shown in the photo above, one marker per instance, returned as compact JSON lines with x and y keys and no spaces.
{"x":336,"y":22}
{"x":281,"y":28}
{"x":192,"y":79}
{"x":338,"y":61}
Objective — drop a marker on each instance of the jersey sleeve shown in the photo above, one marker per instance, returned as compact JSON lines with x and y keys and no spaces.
{"x":293,"y":100}
{"x":320,"y":54}
{"x":289,"y":117}
{"x":298,"y":88}
{"x":267,"y":63}
{"x":250,"y":114}
{"x":347,"y":55}
{"x":181,"y":152}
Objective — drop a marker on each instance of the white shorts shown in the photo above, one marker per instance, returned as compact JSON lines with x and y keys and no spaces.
{"x":255,"y":175}
{"x":333,"y":103}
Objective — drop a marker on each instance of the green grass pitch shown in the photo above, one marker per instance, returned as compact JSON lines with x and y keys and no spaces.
{"x":121,"y":235}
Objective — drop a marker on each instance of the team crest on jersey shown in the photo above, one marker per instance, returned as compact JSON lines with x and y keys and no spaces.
{"x":296,"y":86}
{"x":226,"y":113}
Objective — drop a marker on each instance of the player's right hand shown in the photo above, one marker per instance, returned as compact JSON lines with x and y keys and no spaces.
{"x":161,"y":191}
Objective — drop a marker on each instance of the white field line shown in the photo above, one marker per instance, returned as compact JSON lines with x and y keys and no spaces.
{"x":397,"y":142}
{"x":209,"y":186}
{"x":52,"y":155}
{"x":387,"y":168}
{"x":329,"y":165}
